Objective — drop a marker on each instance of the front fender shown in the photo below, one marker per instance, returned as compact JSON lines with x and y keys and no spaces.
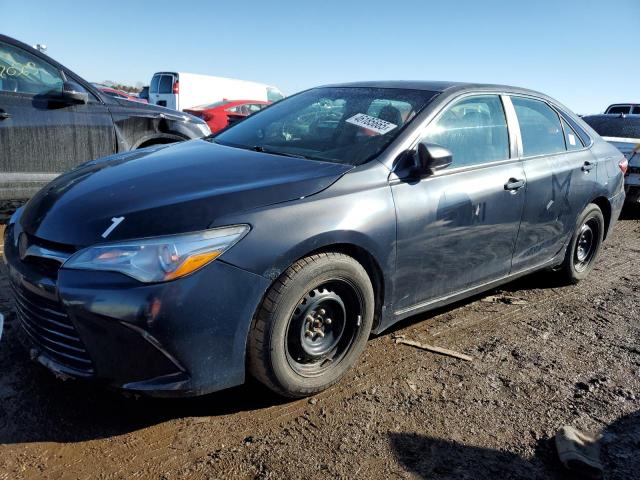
{"x":154,"y":139}
{"x":357,"y":210}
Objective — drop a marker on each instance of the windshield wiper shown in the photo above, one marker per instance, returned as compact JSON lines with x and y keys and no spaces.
{"x":260,"y":148}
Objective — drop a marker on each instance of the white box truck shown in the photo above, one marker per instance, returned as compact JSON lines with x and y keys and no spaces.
{"x":180,"y":90}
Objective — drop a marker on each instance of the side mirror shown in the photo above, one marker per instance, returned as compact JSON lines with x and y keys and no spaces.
{"x":432,"y":157}
{"x":74,"y":93}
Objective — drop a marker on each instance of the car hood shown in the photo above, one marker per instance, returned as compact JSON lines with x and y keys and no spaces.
{"x":152,"y":109}
{"x":165,"y":190}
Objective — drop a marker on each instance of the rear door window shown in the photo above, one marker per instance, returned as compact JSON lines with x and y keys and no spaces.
{"x":586,"y":139}
{"x":474,"y":129}
{"x":540,"y":127}
{"x":636,"y":110}
{"x":23,"y":72}
{"x":166,"y":84}
{"x":571,"y":138}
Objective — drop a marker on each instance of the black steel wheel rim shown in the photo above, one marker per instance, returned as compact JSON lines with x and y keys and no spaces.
{"x":586,"y":244}
{"x":323,"y":327}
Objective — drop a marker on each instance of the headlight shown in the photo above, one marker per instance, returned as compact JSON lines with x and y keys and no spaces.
{"x":159,"y":259}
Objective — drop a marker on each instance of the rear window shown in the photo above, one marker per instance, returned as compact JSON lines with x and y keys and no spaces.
{"x":153,"y":88}
{"x":622,"y":127}
{"x":636,"y":110}
{"x":166,"y":84}
{"x":618,"y":109}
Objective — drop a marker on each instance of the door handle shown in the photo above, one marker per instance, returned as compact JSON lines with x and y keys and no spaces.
{"x":514,"y":184}
{"x":4,"y":115}
{"x":587,"y":166}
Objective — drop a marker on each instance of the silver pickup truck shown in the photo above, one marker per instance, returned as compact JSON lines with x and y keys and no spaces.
{"x":623,"y":131}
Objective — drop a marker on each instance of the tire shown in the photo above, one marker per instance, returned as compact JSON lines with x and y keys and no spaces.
{"x":295,"y":347}
{"x":584,"y":246}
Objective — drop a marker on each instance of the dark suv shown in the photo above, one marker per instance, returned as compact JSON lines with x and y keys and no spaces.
{"x":276,"y":247}
{"x":52,"y":120}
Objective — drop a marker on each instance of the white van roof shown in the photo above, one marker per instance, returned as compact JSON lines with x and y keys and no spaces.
{"x":179,"y":74}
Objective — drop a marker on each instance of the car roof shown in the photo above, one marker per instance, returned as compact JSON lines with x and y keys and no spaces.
{"x":438,"y":86}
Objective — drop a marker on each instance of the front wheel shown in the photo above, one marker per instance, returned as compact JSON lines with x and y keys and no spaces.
{"x":584,"y":246}
{"x":312,"y":325}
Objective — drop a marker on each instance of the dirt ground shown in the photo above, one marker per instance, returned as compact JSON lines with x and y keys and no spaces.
{"x":561,"y":356}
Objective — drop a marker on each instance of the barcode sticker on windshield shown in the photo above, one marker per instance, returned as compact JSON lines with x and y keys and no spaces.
{"x":572,"y":139}
{"x":371,"y":123}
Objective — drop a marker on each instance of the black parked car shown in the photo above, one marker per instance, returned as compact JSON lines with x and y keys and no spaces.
{"x":52,"y":120}
{"x":276,"y":247}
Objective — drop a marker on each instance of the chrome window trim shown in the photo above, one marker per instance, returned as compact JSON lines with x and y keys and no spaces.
{"x":410,"y":143}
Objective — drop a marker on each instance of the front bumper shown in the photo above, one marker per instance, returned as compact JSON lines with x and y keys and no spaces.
{"x":179,"y":338}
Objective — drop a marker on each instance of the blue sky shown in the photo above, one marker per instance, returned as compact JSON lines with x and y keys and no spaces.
{"x":584,"y":53}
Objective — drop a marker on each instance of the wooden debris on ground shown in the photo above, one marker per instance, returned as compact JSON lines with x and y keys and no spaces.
{"x":432,"y":348}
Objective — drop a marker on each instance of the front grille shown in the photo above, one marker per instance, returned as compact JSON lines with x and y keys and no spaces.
{"x":50,"y":328}
{"x":45,"y":257}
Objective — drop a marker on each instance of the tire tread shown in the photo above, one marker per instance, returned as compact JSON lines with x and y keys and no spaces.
{"x":258,"y":354}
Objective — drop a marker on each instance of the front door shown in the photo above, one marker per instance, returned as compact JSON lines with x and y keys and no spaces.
{"x":41,"y":136}
{"x":457,"y":228}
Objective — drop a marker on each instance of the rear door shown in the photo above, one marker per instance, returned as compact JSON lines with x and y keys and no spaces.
{"x":561,"y":178}
{"x":162,"y":91}
{"x":40,"y":135}
{"x":457,"y":228}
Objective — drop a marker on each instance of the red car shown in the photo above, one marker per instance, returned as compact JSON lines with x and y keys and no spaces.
{"x":118,"y":93}
{"x":221,"y":114}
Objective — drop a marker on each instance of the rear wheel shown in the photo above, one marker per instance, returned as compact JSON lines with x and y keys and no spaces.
{"x":312,"y":326}
{"x":584,"y":246}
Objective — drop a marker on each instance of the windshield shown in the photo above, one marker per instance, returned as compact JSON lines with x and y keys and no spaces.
{"x":346,"y":125}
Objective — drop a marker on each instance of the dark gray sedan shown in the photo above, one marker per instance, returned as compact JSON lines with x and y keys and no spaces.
{"x":275,"y":248}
